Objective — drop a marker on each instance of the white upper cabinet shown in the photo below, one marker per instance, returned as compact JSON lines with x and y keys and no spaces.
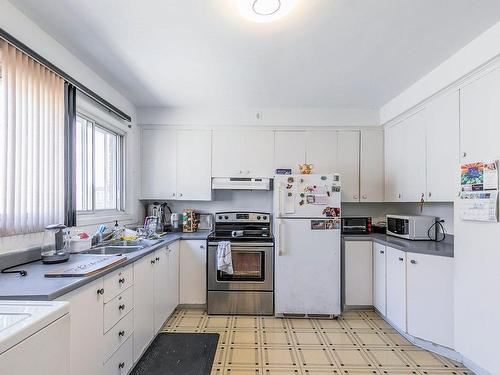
{"x":394,"y":163}
{"x":348,"y":164}
{"x":321,"y":151}
{"x":442,"y":120}
{"x":413,"y":156}
{"x":158,"y":164}
{"x":242,"y":153}
{"x":371,"y":174}
{"x":194,"y":165}
{"x":290,"y":149}
{"x":479,"y":119}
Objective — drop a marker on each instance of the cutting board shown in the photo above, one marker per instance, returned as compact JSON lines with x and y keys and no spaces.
{"x":87,"y":267}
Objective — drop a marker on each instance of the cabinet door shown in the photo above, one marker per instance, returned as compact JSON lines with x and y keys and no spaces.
{"x":161,"y":302}
{"x":430,"y":298}
{"x":394,"y":154}
{"x":379,"y":278}
{"x":414,"y":157}
{"x":479,"y":118}
{"x":234,"y":153}
{"x":322,"y":150}
{"x":396,"y":287}
{"x":348,"y":165}
{"x":358,"y":273}
{"x":158,"y":164}
{"x":443,"y":148}
{"x":143,"y":303}
{"x":194,"y":165}
{"x":87,"y":325}
{"x":371,"y":174}
{"x":289,"y":149}
{"x":193,"y":266}
{"x":173,"y":277}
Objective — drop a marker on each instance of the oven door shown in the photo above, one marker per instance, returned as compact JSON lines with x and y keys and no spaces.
{"x":252,"y":267}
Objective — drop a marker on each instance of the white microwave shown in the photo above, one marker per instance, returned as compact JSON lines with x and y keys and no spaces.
{"x":412,"y":227}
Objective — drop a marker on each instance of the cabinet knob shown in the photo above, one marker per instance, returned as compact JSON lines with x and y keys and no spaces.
{"x":173,"y":194}
{"x":355,"y":196}
{"x":157,"y":259}
{"x":382,"y":252}
{"x":100,"y":291}
{"x":430,"y":194}
{"x":180,"y":194}
{"x":464,"y":154}
{"x":122,"y":280}
{"x":121,"y":365}
{"x":413,"y":261}
{"x":153,"y":261}
{"x":202,"y":246}
{"x":399,"y":196}
{"x":121,"y":307}
{"x":401,"y":259}
{"x":241,"y":172}
{"x":364,"y":197}
{"x":121,"y":333}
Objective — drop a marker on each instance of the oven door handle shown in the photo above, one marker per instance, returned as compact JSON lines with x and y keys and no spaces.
{"x":281,"y":238}
{"x":246,"y":244}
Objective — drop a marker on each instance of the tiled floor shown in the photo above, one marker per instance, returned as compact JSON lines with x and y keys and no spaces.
{"x":357,"y":343}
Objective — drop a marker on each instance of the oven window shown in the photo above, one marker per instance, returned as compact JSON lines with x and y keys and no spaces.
{"x":247,"y":266}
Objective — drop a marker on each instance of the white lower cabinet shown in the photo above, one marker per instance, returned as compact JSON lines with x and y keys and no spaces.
{"x":358,"y":273}
{"x":396,"y":287}
{"x":86,"y":327}
{"x":379,"y":278}
{"x":430,"y":298}
{"x":193,"y":270}
{"x":121,"y":361}
{"x":173,"y":277}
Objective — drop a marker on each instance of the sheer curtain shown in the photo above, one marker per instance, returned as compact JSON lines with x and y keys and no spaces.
{"x":31,"y":144}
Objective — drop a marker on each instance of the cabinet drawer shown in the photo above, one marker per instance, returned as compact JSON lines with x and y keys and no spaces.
{"x":121,"y":362}
{"x":118,"y":334}
{"x":117,"y":308}
{"x":117,"y":281}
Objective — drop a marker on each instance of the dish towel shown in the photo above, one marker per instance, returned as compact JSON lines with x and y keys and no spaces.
{"x":224,"y":259}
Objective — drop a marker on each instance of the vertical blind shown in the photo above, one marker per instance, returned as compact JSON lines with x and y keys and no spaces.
{"x":32,"y":173}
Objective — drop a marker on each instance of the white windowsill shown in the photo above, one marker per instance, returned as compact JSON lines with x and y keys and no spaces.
{"x":84,"y":219}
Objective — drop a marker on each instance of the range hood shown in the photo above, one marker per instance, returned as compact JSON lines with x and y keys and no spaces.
{"x":241,"y":183}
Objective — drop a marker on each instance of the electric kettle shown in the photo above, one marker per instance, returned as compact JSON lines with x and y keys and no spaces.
{"x":55,"y":248}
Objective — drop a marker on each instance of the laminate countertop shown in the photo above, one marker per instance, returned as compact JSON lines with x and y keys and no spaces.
{"x":443,"y":248}
{"x":36,"y":287}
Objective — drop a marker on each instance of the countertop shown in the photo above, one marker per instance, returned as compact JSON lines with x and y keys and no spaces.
{"x":444,"y":248}
{"x":35,"y":286}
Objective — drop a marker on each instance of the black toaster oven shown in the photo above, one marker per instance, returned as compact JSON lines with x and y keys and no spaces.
{"x":356,"y":225}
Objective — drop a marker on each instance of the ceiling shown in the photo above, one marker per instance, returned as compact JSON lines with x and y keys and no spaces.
{"x":201,"y":53}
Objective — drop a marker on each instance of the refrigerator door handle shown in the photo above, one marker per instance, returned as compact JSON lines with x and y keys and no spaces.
{"x":280,"y":198}
{"x":281,"y":238}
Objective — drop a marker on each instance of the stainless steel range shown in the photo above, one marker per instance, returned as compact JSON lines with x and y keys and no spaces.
{"x":250,"y":289}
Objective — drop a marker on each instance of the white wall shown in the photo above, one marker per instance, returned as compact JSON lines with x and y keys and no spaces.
{"x":271,"y":117}
{"x":21,"y":27}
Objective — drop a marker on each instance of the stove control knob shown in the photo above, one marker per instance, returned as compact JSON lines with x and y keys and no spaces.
{"x":226,"y":217}
{"x":220,"y":217}
{"x":258,"y":217}
{"x":264,"y":217}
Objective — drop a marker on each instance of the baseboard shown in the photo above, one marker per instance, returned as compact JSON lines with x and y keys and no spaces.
{"x":197,"y":306}
{"x":478,"y":370}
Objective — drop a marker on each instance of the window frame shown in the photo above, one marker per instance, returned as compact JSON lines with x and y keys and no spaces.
{"x":96,"y":121}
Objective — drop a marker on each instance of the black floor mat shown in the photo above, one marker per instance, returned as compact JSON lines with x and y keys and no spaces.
{"x":179,"y":354}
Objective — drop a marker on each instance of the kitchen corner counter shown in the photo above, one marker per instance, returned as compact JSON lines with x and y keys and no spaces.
{"x":36,"y":287}
{"x":444,"y":248}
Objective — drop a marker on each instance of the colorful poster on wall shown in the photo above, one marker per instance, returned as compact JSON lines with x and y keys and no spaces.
{"x":479,"y":176}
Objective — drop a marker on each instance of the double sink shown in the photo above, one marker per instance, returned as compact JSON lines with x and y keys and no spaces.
{"x":121,"y":247}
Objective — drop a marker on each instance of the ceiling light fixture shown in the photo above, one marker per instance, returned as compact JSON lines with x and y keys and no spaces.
{"x":265,"y":10}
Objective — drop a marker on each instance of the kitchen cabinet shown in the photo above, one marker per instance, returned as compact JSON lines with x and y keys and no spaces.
{"x":358,"y":263}
{"x":161,"y":288}
{"x":479,"y":114}
{"x":322,"y":151}
{"x":242,"y":153}
{"x":396,"y":287}
{"x":194,"y":165}
{"x":173,"y":277}
{"x":379,"y":278}
{"x":442,"y":141}
{"x":430,"y":298}
{"x":176,"y":164}
{"x":371,"y":173}
{"x":143,"y":303}
{"x":348,"y":164}
{"x":193,"y":265}
{"x":290,"y":149}
{"x":86,"y":327}
{"x":158,"y":164}
{"x":394,"y":153}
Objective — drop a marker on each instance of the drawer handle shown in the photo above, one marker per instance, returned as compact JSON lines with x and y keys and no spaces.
{"x":401,"y":259}
{"x":121,"y":307}
{"x":100,"y":291}
{"x":413,"y":261}
{"x":121,"y":333}
{"x":382,"y":252}
{"x":121,"y":365}
{"x":153,"y":261}
{"x":157,"y":259}
{"x":122,"y":280}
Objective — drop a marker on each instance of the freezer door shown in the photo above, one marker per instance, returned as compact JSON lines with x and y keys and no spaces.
{"x":307,"y":278}
{"x":303,"y":196}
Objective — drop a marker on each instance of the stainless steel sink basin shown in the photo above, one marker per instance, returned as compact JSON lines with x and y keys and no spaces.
{"x":121,"y":247}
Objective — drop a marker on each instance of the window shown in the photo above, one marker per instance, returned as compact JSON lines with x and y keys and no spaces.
{"x":99,"y":166}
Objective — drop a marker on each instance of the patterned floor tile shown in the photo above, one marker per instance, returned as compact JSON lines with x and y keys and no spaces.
{"x":218,"y":322}
{"x":284,"y":357}
{"x":273,"y":337}
{"x":239,"y":356}
{"x":371,"y":339}
{"x":446,"y":372}
{"x":300,"y":324}
{"x":244,"y":337}
{"x":242,"y":371}
{"x":307,"y":338}
{"x":243,"y":322}
{"x":315,"y":357}
{"x":282,"y":371}
{"x":330,"y":324}
{"x":389,"y":358}
{"x":351,"y":358}
{"x":424,"y":359}
{"x":339,"y":339}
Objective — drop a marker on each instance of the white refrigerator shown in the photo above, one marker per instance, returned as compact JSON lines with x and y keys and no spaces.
{"x":307,"y":233}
